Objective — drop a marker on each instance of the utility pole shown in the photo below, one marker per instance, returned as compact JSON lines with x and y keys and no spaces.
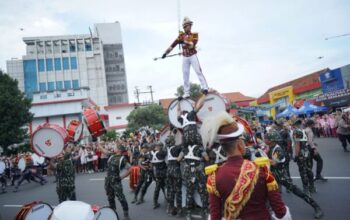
{"x":138,"y":92}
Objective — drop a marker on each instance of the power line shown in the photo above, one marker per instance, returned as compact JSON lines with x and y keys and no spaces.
{"x":337,"y":36}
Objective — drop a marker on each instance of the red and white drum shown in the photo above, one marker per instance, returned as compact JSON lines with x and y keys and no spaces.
{"x":49,"y":140}
{"x":37,"y":160}
{"x":75,"y":130}
{"x":93,"y":122}
{"x":185,"y":104}
{"x":34,"y":211}
{"x":134,"y":177}
{"x":76,"y":210}
{"x":213,"y":104}
{"x":106,"y":213}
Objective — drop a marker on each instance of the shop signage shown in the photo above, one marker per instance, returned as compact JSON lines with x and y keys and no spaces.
{"x":333,"y":95}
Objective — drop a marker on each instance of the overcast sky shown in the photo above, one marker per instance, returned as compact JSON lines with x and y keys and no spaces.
{"x":247,"y":46}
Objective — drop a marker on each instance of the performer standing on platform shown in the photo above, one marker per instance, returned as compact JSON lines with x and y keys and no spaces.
{"x":113,"y":180}
{"x":193,"y":154}
{"x":65,"y":175}
{"x":279,"y":170}
{"x":239,"y":187}
{"x":189,"y":40}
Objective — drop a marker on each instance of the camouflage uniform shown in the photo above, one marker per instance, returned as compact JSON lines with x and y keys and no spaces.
{"x":159,"y":171}
{"x":193,"y":152}
{"x":285,"y":143}
{"x":65,"y":185}
{"x":304,"y":161}
{"x":113,"y":184}
{"x":145,"y":179}
{"x":174,"y":179}
{"x":26,"y":174}
{"x":3,"y":182}
{"x":279,"y":170}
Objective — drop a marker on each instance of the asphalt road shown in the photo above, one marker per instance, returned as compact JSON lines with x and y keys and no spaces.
{"x":333,"y":195}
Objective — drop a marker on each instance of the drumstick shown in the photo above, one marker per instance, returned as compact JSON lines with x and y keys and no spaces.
{"x":171,"y":55}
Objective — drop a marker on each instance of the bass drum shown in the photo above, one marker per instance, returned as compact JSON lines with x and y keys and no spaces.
{"x":37,"y":160}
{"x":2,"y":167}
{"x":49,"y":140}
{"x":185,"y":104}
{"x":72,"y":210}
{"x":213,"y":104}
{"x":34,"y":211}
{"x":22,"y":164}
{"x":75,"y":130}
{"x":94,"y":123}
{"x":106,"y":213}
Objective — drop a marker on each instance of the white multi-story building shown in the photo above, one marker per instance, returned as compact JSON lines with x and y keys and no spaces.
{"x":56,"y":65}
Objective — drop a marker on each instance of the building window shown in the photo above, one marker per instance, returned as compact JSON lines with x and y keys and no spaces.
{"x":72,"y":47}
{"x":50,"y":86}
{"x":88,"y":47}
{"x":49,"y":65}
{"x":41,"y":65}
{"x":118,"y":117}
{"x":59,"y":85}
{"x":30,"y":79}
{"x":65,"y":63}
{"x":43,"y":97}
{"x":42,"y":87}
{"x":75,"y":84}
{"x":73,"y":63}
{"x":58,"y":64}
{"x":67,"y":84}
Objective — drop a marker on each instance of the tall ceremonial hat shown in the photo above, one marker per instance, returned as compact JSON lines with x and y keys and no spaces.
{"x":186,"y":22}
{"x":222,"y":128}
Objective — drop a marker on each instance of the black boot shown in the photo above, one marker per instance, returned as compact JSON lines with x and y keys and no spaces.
{"x":169,"y":209}
{"x":134,"y":200}
{"x":140,"y":201}
{"x":204,"y":214}
{"x":188,"y":215}
{"x":320,"y":177}
{"x":318,"y":213}
{"x":126,"y":215}
{"x":156,"y":205}
{"x":179,"y":213}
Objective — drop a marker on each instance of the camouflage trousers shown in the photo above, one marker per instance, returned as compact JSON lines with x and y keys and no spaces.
{"x":65,"y":192}
{"x":145,"y":181}
{"x":195,"y":178}
{"x":3,"y":182}
{"x":281,"y":175}
{"x":306,"y":174}
{"x":160,"y":178}
{"x":114,"y":189}
{"x":174,"y":184}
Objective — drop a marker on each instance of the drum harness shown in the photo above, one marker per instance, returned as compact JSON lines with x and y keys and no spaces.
{"x":155,"y":159}
{"x":185,"y":121}
{"x":219,"y":158}
{"x":170,"y":156}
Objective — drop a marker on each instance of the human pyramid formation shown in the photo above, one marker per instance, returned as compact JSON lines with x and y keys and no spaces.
{"x":197,"y":161}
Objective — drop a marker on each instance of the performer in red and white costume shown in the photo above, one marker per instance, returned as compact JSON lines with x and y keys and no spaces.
{"x":189,"y":40}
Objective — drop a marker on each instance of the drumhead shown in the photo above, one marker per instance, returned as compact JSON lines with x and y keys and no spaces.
{"x":76,"y":210}
{"x":213,"y":104}
{"x":185,"y":104}
{"x":22,"y":164}
{"x":40,"y":211}
{"x":37,"y":160}
{"x":2,"y":166}
{"x":48,"y":142}
{"x":106,"y":213}
{"x":78,"y":132}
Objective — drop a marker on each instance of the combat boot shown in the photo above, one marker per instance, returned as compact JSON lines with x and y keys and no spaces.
{"x":169,"y":209}
{"x":156,"y":205}
{"x":188,"y":215}
{"x":140,"y":201}
{"x":179,"y":213}
{"x":204,"y":214}
{"x":134,"y":200}
{"x":318,"y":213}
{"x":126,"y":215}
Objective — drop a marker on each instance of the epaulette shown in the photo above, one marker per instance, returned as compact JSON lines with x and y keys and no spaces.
{"x":262,"y":161}
{"x":211,"y":169}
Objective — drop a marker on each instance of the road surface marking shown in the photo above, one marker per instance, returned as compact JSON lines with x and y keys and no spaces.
{"x":329,"y":177}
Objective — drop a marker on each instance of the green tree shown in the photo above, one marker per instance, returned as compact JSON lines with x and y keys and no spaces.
{"x":110,"y":135}
{"x":14,"y":111}
{"x":151,"y":115}
{"x":195,"y":91}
